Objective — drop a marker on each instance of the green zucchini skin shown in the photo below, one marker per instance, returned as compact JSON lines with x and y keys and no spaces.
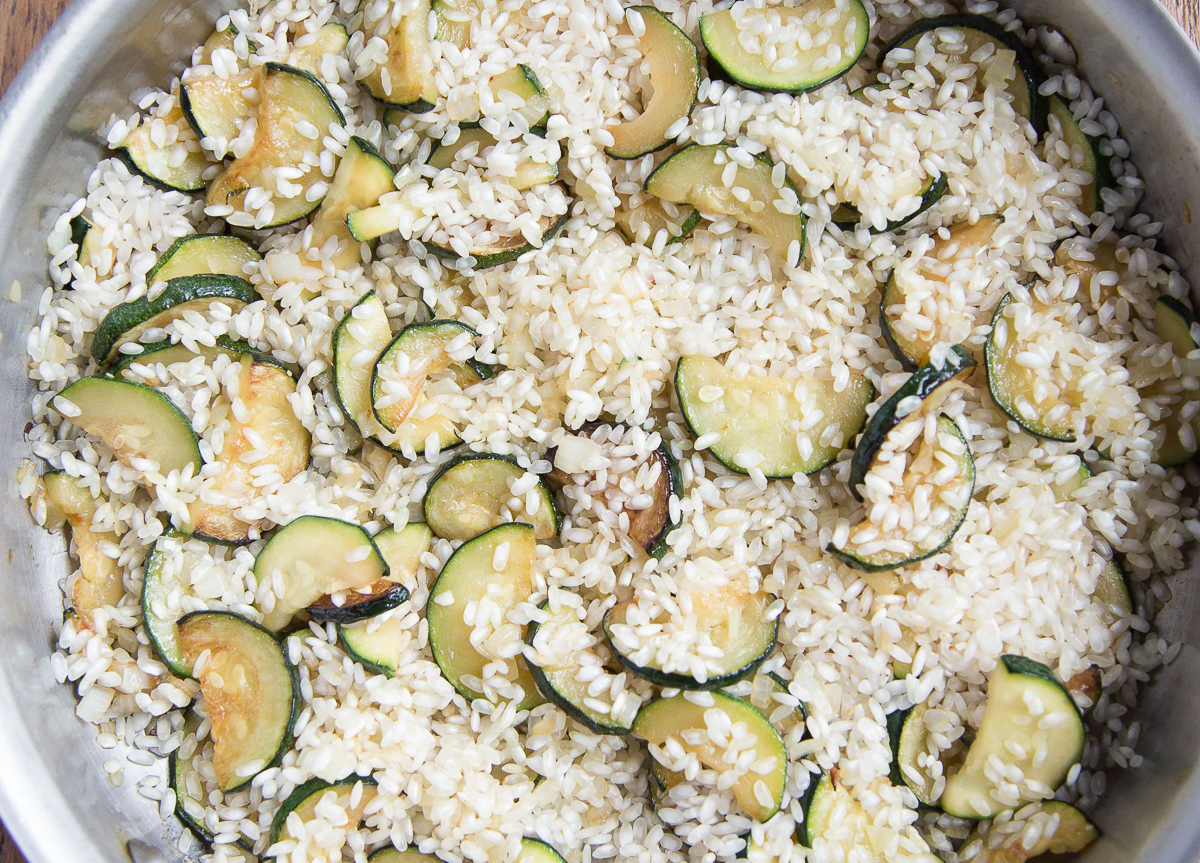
{"x":923,"y":382}
{"x":234,"y":348}
{"x":1102,"y":176}
{"x":930,"y":196}
{"x":305,"y":791}
{"x":1030,"y":69}
{"x":354,"y":611}
{"x":154,"y":626}
{"x":140,"y":312}
{"x":885,"y":327}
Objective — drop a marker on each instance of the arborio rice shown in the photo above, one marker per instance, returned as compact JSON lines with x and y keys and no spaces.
{"x":590,"y":326}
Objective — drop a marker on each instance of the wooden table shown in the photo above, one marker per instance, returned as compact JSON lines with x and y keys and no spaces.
{"x":29,"y":20}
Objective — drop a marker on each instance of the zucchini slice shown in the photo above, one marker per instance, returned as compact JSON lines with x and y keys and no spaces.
{"x":303,"y":802}
{"x":566,"y":668}
{"x":787,"y":66}
{"x":838,"y":828}
{"x":528,"y":175}
{"x":909,"y":741}
{"x":406,"y":78}
{"x":196,"y":293}
{"x":250,"y":690}
{"x":185,"y":780}
{"x":1010,"y":66}
{"x":470,"y":495}
{"x":923,"y":384}
{"x":948,"y":261}
{"x":1174,"y":322}
{"x":770,"y":417}
{"x":135,"y":422}
{"x":648,"y":527}
{"x":376,"y":645}
{"x":495,"y":571}
{"x":216,"y":107}
{"x":694,"y":175}
{"x":847,"y":216}
{"x":1027,"y":706}
{"x":356,"y":605}
{"x":87,"y":239}
{"x":935,"y":483}
{"x":310,"y":49}
{"x":642,"y":223}
{"x":1102,"y":258}
{"x":167,"y":353}
{"x":537,"y":851}
{"x":1064,"y":491}
{"x":454,"y":19}
{"x":314,"y":556}
{"x":200,"y":254}
{"x":401,"y":550}
{"x":1038,"y":405}
{"x":731,"y":618}
{"x":390,"y":854}
{"x":674,"y":81}
{"x":415,"y":355}
{"x":1085,"y":155}
{"x":1063,"y":830}
{"x":764,"y":689}
{"x":159,"y":580}
{"x":759,"y":794}
{"x":271,"y":434}
{"x":358,"y":340}
{"x":99,"y":582}
{"x":179,"y":164}
{"x":1112,"y":589}
{"x":292,"y":101}
{"x":523,"y":82}
{"x":362,"y":176}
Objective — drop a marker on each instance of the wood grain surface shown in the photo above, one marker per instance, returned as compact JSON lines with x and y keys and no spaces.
{"x":28,"y":20}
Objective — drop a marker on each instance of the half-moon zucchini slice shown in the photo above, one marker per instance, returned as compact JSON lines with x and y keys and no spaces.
{"x":837,"y":827}
{"x":759,"y":794}
{"x":98,"y":583}
{"x":675,"y":79}
{"x":938,"y":272}
{"x":351,"y":794}
{"x":471,"y":493}
{"x":250,"y":691}
{"x":731,"y":618}
{"x":127,"y":322}
{"x":1060,"y":828}
{"x":835,"y":33}
{"x":293,"y":103}
{"x":216,"y":106}
{"x":527,"y":176}
{"x":405,"y":79}
{"x":198,"y":254}
{"x":179,"y":163}
{"x":479,"y":585}
{"x":1174,"y":324}
{"x":1085,"y":155}
{"x":312,"y":557}
{"x":847,"y":216}
{"x":135,"y":422}
{"x":1009,"y":65}
{"x":696,"y":175}
{"x":766,"y":422}
{"x":362,"y":177}
{"x":1030,"y":722}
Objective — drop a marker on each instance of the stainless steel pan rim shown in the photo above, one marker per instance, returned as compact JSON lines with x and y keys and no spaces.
{"x":54,"y":798}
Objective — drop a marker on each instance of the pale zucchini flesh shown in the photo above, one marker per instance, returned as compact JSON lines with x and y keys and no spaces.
{"x":406,"y":77}
{"x":1173,"y":323}
{"x":694,"y":176}
{"x":272,"y":425}
{"x":376,"y":645}
{"x":314,"y":556}
{"x":135,"y":422}
{"x":216,"y":107}
{"x":361,"y":178}
{"x":1064,"y":830}
{"x":763,"y":414}
{"x":478,"y":569}
{"x":674,"y":78}
{"x":161,"y":625}
{"x":1021,"y":695}
{"x":527,"y":176}
{"x":289,"y":97}
{"x":666,"y":718}
{"x":98,"y":583}
{"x":160,"y":165}
{"x":250,"y":691}
{"x":470,"y":495}
{"x":849,"y":31}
